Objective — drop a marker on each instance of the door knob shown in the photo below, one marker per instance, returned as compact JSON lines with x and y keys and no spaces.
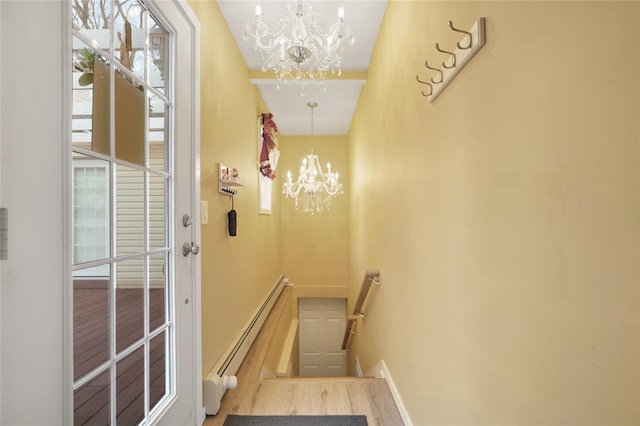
{"x":192,"y":248}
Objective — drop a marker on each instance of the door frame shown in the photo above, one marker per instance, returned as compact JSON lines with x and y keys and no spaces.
{"x":1,"y":204}
{"x":199,"y":414}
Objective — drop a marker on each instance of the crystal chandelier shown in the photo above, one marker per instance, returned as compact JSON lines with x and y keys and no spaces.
{"x":296,"y":50}
{"x":313,"y":189}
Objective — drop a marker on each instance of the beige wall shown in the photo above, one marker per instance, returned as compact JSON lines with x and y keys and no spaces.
{"x":237,"y":272}
{"x":277,"y":344}
{"x":315,"y":248}
{"x":504,"y":216}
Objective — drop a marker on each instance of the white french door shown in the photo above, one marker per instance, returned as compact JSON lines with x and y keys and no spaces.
{"x":134,"y":144}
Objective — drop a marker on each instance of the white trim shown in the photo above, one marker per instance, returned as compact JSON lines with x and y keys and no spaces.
{"x":0,"y":205}
{"x":339,"y":83}
{"x":381,"y":370}
{"x":67,"y":215}
{"x":358,"y":367}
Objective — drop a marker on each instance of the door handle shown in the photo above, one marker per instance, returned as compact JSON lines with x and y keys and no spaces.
{"x":192,"y":248}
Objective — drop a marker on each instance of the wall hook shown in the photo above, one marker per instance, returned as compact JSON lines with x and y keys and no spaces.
{"x":453,"y":55}
{"x":426,"y":64}
{"x":228,"y":191}
{"x":464,"y":32}
{"x":428,"y":84}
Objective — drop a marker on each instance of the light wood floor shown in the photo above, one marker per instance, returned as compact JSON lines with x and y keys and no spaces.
{"x":302,"y":395}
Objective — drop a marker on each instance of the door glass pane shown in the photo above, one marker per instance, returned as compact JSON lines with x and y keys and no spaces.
{"x":90,"y":323}
{"x":129,"y":302}
{"x":92,"y":402}
{"x":129,"y":210}
{"x":157,"y":133}
{"x":157,"y":291}
{"x":156,"y":212}
{"x":130,"y":388}
{"x":91,"y":18}
{"x":157,"y":368}
{"x":90,"y":212}
{"x":129,"y":119}
{"x":130,"y":35}
{"x":157,"y":54}
{"x":91,"y":99}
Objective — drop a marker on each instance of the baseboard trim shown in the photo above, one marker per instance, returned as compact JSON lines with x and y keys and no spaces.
{"x":382,"y":371}
{"x":202,"y":416}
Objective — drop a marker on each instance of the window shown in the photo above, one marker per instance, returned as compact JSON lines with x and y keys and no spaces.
{"x":264,"y":182}
{"x":90,"y":215}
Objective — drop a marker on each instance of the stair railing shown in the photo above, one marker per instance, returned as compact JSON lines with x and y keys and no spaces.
{"x":369,"y":278}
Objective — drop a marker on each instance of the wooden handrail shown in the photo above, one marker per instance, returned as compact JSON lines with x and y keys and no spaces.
{"x":370,"y":277}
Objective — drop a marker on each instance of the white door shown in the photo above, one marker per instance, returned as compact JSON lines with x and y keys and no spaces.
{"x":322,"y":324}
{"x":135,"y":187}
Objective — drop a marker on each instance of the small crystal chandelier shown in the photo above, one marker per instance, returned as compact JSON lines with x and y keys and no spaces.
{"x":296,"y":50}
{"x":313,"y":189}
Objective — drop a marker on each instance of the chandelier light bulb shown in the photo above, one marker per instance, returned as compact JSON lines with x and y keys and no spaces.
{"x":258,"y":11}
{"x":341,"y":13}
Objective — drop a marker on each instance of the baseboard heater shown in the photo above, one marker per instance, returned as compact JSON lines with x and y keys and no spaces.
{"x":222,"y":375}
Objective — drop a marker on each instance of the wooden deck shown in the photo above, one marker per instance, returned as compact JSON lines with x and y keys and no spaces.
{"x":91,"y":349}
{"x":303,"y":396}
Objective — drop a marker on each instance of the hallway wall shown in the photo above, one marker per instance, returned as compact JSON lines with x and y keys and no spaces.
{"x":504,"y":216}
{"x":315,"y":248}
{"x":237,"y":272}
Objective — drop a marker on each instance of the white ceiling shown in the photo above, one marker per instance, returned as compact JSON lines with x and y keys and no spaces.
{"x":336,"y":99}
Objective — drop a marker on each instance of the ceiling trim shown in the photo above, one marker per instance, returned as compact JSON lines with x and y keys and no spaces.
{"x":344,"y":75}
{"x":274,"y":82}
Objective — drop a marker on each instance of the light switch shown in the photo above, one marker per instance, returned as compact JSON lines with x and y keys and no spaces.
{"x":204,"y":212}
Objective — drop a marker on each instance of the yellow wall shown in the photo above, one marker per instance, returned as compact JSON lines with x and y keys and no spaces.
{"x":315,"y":248}
{"x":237,"y":272}
{"x":277,"y":344}
{"x":504,"y":216}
